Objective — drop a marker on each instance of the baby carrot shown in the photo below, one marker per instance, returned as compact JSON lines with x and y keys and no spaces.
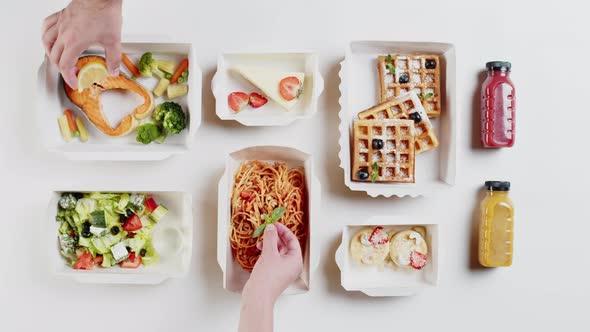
{"x":71,"y":122}
{"x":181,"y":67}
{"x":129,"y":64}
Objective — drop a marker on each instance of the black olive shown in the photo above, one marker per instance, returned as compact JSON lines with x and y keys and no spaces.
{"x":142,"y":252}
{"x":404,"y":78}
{"x":377,"y":144}
{"x":115,"y":230}
{"x":416,"y":117}
{"x":86,"y":233}
{"x":86,"y":226}
{"x":430,"y":64}
{"x":363,"y":174}
{"x":128,"y":213}
{"x":78,"y":195}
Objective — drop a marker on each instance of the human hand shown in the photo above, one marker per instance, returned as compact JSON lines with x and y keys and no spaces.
{"x":279,"y":264}
{"x":83,"y":23}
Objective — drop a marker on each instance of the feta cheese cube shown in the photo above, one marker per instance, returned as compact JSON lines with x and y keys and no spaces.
{"x":98,"y":231}
{"x":119,"y":252}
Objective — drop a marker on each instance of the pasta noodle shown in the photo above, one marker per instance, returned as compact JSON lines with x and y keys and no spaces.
{"x":259,"y":188}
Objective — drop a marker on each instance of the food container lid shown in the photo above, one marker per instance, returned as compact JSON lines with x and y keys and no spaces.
{"x":498,"y":185}
{"x":499,"y":65}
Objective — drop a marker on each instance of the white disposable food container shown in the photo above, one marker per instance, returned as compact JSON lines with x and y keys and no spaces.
{"x":172,"y":238}
{"x":359,"y":90}
{"x":227,"y":81}
{"x":52,"y":101}
{"x":234,"y":277}
{"x":388,"y":280}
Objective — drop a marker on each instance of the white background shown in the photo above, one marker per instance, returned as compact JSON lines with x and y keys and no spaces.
{"x":547,"y":287}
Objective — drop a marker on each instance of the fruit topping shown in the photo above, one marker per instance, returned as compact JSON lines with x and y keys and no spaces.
{"x":257,"y":100}
{"x":237,"y":101}
{"x":377,"y":144}
{"x":290,"y":87}
{"x":363,"y":174}
{"x":417,"y":260}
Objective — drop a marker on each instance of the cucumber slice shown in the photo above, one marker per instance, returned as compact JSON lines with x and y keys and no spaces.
{"x":84,"y":241}
{"x":159,"y":213}
{"x":97,"y":219}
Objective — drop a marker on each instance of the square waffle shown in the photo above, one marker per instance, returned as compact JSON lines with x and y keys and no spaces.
{"x":418,"y":72}
{"x":394,"y":161}
{"x":403,"y":107}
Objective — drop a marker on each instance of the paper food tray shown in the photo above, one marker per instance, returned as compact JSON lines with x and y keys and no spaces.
{"x":359,"y":90}
{"x":234,"y":277}
{"x":52,"y":102}
{"x":227,"y":81}
{"x":172,"y":238}
{"x":386,"y":281}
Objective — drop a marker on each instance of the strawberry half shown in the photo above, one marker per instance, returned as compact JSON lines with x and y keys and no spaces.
{"x":237,"y":101}
{"x":257,"y":100}
{"x":378,"y":236}
{"x":417,"y":260}
{"x":290,"y":87}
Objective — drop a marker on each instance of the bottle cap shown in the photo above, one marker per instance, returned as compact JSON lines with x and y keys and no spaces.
{"x":499,"y":65}
{"x":498,"y":185}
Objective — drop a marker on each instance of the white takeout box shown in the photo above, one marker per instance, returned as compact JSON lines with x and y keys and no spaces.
{"x":388,"y":280}
{"x":172,"y":238}
{"x":227,"y":81}
{"x":234,"y":277}
{"x":52,"y":101}
{"x":359,"y":90}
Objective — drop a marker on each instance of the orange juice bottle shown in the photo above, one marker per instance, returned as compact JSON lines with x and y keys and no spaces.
{"x":496,"y":226}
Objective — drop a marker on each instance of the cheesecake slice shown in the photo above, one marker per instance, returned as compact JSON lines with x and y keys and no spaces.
{"x":268,"y":81}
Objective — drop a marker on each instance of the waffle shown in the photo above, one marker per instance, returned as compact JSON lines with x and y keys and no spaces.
{"x":423,"y":81}
{"x":400,"y":108}
{"x":394,"y":162}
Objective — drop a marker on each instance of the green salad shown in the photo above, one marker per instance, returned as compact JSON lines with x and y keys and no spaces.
{"x":106,"y":229}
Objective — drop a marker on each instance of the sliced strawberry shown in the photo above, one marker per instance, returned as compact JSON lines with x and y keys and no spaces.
{"x":378,"y":236}
{"x":417,"y":260}
{"x":150,"y":204}
{"x":257,"y":100}
{"x":84,"y":262}
{"x":237,"y":101}
{"x":132,"y":224}
{"x":132,"y":262}
{"x":290,"y":87}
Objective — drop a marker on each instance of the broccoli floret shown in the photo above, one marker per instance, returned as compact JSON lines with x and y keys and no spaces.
{"x":148,"y":132}
{"x":67,"y":201}
{"x":161,"y":109}
{"x":174,"y":121}
{"x":148,"y":66}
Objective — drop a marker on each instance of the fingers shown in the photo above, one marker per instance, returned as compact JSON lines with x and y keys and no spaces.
{"x":50,"y":21}
{"x":49,"y":38}
{"x":67,"y":64}
{"x":271,"y":239}
{"x":113,"y":55}
{"x":56,"y":51}
{"x":289,"y":239}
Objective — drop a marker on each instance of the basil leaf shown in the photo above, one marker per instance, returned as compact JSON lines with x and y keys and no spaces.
{"x":277,"y":213}
{"x":429,"y":95}
{"x":375,"y":173}
{"x":264,"y":217}
{"x":389,"y":59}
{"x":259,"y":231}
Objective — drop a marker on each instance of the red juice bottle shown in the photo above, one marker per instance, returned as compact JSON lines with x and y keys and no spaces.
{"x":497,"y":106}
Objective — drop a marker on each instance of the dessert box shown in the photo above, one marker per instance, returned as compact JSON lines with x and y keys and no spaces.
{"x":227,"y":81}
{"x":360,"y":90}
{"x":172,"y":238}
{"x":388,"y":280}
{"x":52,"y":101}
{"x":234,"y":277}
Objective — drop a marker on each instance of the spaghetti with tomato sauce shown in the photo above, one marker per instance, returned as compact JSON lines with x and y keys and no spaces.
{"x":259,"y":188}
